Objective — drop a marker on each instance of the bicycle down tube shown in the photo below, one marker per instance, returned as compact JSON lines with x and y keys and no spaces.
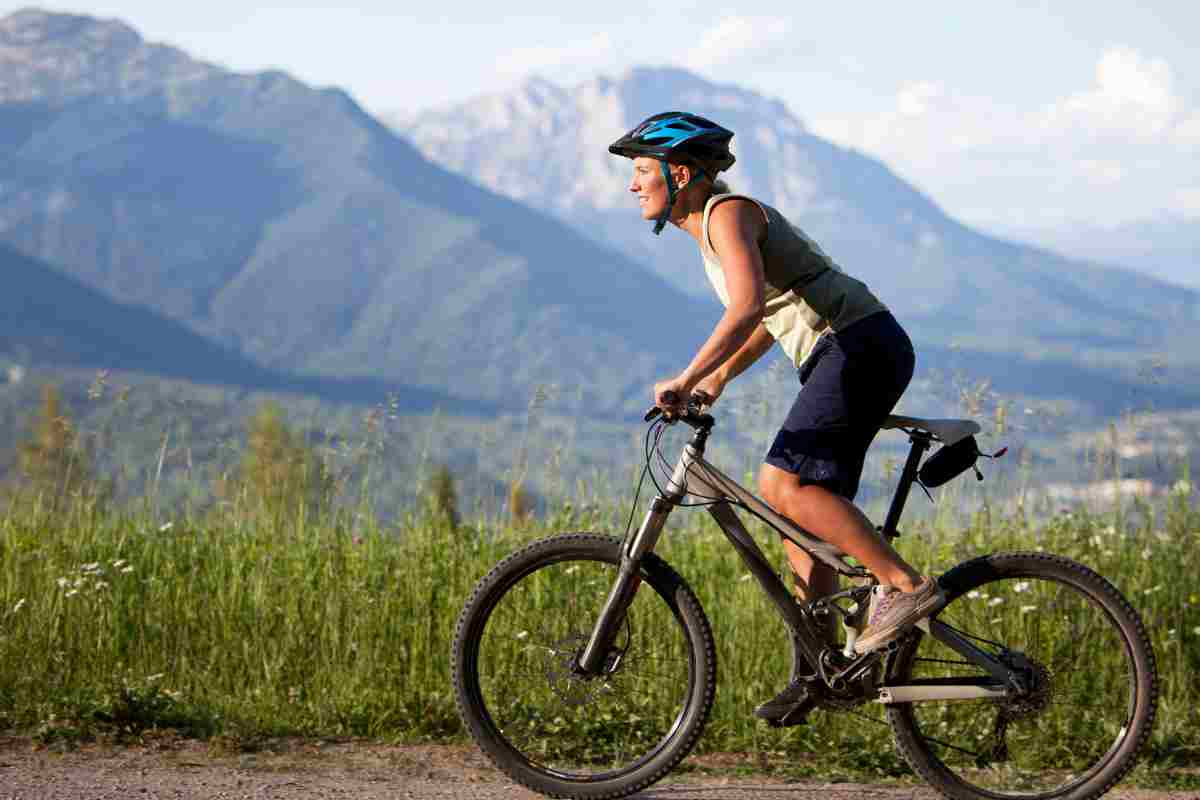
{"x":692,"y":473}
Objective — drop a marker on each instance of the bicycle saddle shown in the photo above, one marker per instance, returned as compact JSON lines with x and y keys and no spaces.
{"x":948,"y":431}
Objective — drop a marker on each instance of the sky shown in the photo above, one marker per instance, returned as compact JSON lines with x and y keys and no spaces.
{"x":1013,"y":116}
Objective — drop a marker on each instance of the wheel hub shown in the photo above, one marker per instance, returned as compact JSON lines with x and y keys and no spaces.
{"x":1036,"y":699}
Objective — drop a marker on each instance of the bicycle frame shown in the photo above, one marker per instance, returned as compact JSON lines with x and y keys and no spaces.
{"x":812,"y":657}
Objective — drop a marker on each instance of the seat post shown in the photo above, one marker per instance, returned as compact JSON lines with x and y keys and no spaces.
{"x":920,"y":443}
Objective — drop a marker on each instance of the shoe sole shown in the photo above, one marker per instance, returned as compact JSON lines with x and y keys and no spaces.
{"x":919,"y":612}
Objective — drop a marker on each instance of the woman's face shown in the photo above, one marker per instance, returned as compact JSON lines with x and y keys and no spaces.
{"x":650,"y":186}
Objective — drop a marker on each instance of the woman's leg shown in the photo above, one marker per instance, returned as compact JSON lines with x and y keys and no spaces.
{"x":836,"y":520}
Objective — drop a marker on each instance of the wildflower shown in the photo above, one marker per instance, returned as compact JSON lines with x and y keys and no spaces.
{"x":72,"y":593}
{"x":126,"y":570}
{"x":100,"y":585}
{"x":1146,"y":554}
{"x":155,"y":676}
{"x":995,"y":601}
{"x":20,"y":604}
{"x":1027,"y":609}
{"x":571,"y":570}
{"x":973,"y":594}
{"x":1196,"y":630}
{"x":745,"y":577}
{"x":1152,"y":589}
{"x":93,"y":567}
{"x":523,"y":635}
{"x":1021,"y":586}
{"x":120,"y":562}
{"x":166,"y":526}
{"x":1171,"y":632}
{"x":63,"y":583}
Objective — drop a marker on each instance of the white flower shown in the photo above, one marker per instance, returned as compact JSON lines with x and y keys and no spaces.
{"x":995,"y":601}
{"x":1027,"y":609}
{"x":1171,"y":632}
{"x":571,"y":570}
{"x":20,"y":604}
{"x":523,"y":635}
{"x":93,"y":567}
{"x":72,"y":593}
{"x":1152,"y":589}
{"x":745,"y":577}
{"x":63,"y":583}
{"x":120,"y":562}
{"x":155,"y":676}
{"x":1196,"y":630}
{"x":973,"y":594}
{"x":126,"y":570}
{"x":1146,"y":554}
{"x":166,"y":526}
{"x":1021,"y":586}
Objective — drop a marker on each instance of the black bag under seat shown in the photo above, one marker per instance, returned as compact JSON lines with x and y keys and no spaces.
{"x":950,"y":462}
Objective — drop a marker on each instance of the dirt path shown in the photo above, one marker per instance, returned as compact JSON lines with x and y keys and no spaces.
{"x":363,"y":771}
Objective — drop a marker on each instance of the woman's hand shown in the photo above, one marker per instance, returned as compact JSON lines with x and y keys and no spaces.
{"x":678,"y":389}
{"x":711,"y":386}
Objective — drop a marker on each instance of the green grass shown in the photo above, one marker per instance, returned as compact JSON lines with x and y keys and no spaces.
{"x":229,"y":623}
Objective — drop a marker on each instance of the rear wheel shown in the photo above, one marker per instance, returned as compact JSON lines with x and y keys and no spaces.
{"x":1088,"y":666}
{"x":552,"y":729}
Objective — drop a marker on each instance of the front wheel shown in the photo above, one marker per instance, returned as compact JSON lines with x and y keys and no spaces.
{"x":1090,"y":684}
{"x":570,"y":735}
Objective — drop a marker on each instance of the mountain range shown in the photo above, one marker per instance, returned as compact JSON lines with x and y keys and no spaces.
{"x":987,"y":298}
{"x":286,"y":224}
{"x":496,"y":253}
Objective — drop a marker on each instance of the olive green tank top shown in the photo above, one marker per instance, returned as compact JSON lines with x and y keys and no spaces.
{"x":806,"y":293}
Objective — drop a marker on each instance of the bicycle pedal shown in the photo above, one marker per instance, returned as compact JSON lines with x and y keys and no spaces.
{"x":797,"y":716}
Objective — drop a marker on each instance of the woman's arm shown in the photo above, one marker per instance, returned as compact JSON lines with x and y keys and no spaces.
{"x":735,"y":226}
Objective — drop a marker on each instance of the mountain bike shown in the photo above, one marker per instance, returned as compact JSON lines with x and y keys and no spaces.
{"x":585,"y":667}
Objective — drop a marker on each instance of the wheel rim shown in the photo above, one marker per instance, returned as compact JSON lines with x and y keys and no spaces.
{"x":584,"y":730}
{"x":1083,"y":676}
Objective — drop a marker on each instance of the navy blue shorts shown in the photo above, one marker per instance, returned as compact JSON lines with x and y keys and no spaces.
{"x":849,"y":385}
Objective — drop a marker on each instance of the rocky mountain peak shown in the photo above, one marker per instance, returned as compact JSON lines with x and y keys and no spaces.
{"x":54,"y":58}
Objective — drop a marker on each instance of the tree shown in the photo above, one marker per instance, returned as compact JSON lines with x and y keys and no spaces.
{"x":52,"y":461}
{"x":279,"y":470}
{"x":443,"y":495}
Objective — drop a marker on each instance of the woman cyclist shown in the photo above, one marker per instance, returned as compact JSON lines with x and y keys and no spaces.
{"x":854,"y":362}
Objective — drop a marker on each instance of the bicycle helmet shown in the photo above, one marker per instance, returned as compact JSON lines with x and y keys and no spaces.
{"x":680,"y":136}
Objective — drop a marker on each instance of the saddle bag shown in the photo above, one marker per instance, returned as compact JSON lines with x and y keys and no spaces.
{"x":949,"y":462}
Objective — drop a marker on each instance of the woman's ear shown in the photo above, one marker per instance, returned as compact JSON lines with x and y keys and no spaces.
{"x":683,"y":175}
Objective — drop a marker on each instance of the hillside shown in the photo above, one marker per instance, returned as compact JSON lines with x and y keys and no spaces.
{"x":285,"y":223}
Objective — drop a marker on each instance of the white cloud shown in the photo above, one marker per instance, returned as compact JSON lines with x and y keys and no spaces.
{"x":914,"y":99}
{"x":1128,"y":134}
{"x":733,"y":37}
{"x":1187,"y":202}
{"x":1133,"y":95}
{"x":581,"y":56}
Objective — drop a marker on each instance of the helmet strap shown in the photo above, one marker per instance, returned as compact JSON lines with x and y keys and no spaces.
{"x":672,"y":192}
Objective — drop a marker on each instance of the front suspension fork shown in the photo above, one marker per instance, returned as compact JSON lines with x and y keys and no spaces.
{"x":592,"y":660}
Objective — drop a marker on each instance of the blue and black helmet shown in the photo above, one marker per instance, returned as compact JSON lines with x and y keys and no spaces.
{"x":680,"y":137}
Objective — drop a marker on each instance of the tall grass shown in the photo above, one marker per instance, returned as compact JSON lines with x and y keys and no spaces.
{"x":245,"y":624}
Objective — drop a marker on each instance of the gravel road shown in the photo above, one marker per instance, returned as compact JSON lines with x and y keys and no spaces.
{"x":172,"y":768}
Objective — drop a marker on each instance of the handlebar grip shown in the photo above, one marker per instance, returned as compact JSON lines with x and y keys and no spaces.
{"x":652,"y":413}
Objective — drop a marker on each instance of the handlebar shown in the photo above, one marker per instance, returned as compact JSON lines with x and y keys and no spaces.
{"x":693,"y":415}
